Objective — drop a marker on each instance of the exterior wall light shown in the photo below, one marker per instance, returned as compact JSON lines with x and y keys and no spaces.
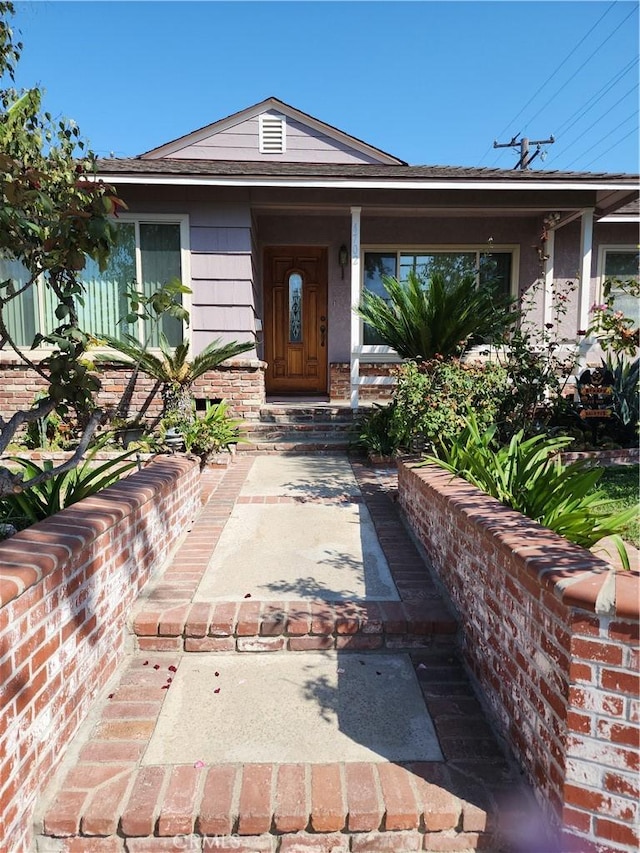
{"x":343,"y":258}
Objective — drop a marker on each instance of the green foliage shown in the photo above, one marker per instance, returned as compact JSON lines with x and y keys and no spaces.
{"x":432,"y":398}
{"x":442,"y":316}
{"x":53,"y":216}
{"x":614,"y":331}
{"x":538,"y":366}
{"x":527,"y":475}
{"x":621,"y":485}
{"x":373,"y":431}
{"x":625,"y":387}
{"x":172,"y":368}
{"x":62,"y":490}
{"x":214,"y":431}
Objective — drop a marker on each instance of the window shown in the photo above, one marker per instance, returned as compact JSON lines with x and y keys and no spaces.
{"x":495,"y":266}
{"x":624,"y":264}
{"x":147,"y":254}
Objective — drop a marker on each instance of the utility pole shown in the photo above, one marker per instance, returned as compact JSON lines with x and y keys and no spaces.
{"x":525,"y":158}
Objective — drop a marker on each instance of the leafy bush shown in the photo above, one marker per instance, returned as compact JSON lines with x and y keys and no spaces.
{"x":212,"y":432}
{"x":62,"y":490}
{"x":625,"y":387}
{"x":373,"y":431}
{"x":441,"y":316}
{"x":528,"y":476}
{"x":432,"y":398}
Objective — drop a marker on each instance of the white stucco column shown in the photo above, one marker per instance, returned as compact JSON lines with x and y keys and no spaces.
{"x":586,"y":250}
{"x":355,"y":300}
{"x":549,"y":271}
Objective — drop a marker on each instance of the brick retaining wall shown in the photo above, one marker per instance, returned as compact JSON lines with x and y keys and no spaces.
{"x":66,"y":588}
{"x":340,"y":380}
{"x":241,"y":383}
{"x":551,"y":634}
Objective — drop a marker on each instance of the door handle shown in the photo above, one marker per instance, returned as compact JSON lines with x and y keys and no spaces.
{"x":323,"y":330}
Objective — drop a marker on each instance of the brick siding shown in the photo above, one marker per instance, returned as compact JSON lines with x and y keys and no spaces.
{"x":551,"y":634}
{"x":340,"y":381}
{"x":67,"y":585}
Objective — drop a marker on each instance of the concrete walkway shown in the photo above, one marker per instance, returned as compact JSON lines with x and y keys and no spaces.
{"x":295,"y":686}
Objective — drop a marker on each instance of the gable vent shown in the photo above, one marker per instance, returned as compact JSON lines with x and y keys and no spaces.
{"x":272,"y":134}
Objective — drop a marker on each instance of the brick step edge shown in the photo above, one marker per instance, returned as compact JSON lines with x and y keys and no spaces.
{"x":290,"y":626}
{"x":368,"y":800}
{"x":294,"y":445}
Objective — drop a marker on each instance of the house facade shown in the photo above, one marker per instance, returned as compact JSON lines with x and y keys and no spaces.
{"x":277,"y":221}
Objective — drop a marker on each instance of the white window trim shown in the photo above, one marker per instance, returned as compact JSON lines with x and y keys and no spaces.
{"x":372,"y":353}
{"x":602,"y":253}
{"x":181,"y":219}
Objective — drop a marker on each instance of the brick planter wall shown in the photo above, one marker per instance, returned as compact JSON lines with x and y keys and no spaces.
{"x":340,"y":381}
{"x":66,"y":588}
{"x":551,"y":634}
{"x":241,"y":383}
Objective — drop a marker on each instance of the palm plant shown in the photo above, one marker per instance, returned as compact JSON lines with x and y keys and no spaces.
{"x":172,"y":369}
{"x":440,"y":317}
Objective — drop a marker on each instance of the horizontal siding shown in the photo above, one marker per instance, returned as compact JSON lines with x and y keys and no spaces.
{"x":217,"y":265}
{"x":241,"y":142}
{"x":200,"y":340}
{"x":224,"y":318}
{"x":222,"y":293}
{"x":219,"y":215}
{"x":216,"y":239}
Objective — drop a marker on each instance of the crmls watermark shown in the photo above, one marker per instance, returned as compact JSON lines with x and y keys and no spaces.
{"x":209,"y":844}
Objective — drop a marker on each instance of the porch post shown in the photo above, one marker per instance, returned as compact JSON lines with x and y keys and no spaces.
{"x":355,"y":299}
{"x":547,"y":312}
{"x":586,"y":249}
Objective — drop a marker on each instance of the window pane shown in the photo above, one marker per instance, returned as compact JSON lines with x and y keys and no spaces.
{"x":295,"y":308}
{"x":449,"y":264}
{"x":376,"y":265}
{"x":624,"y":265}
{"x":496,"y":267}
{"x":160,"y":249}
{"x":20,"y":315}
{"x":104,"y":302}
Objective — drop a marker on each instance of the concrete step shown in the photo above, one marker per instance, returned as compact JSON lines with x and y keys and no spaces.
{"x":296,"y":442}
{"x":280,"y":413}
{"x":179,"y":756}
{"x":325,"y":429}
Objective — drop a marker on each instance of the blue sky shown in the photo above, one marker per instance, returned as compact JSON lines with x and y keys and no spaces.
{"x":431,"y":82}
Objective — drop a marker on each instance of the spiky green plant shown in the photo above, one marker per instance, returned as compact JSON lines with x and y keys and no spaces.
{"x":442,"y":316}
{"x":528,"y":476}
{"x":173,"y":369}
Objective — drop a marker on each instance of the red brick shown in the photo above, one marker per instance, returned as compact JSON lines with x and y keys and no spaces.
{"x":398,"y":797}
{"x":578,"y":722}
{"x":322,"y":619}
{"x":363,"y":802}
{"x":140,"y":812}
{"x":303,"y":842}
{"x":260,"y":644}
{"x":346,"y":619}
{"x":460,"y":842}
{"x":441,"y":809}
{"x":177,"y":810}
{"x":112,"y":844}
{"x":299,"y":619}
{"x":172,"y":621}
{"x":255,"y":812}
{"x":623,"y":682}
{"x":618,"y":832}
{"x":223,"y":620}
{"x":197,"y":623}
{"x":102,"y":813}
{"x":313,"y":643}
{"x":594,"y":650}
{"x":164,"y":845}
{"x":360,"y":642}
{"x":146,"y":623}
{"x":248,"y":620}
{"x":381,"y":842}
{"x":328,"y":811}
{"x":160,"y":644}
{"x":291,"y":812}
{"x":574,"y":819}
{"x":210,"y":644}
{"x":63,"y":818}
{"x":618,"y":733}
{"x":216,"y":809}
{"x":617,"y":784}
{"x":273,"y":619}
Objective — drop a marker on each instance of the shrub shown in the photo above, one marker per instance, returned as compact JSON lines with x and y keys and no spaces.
{"x":373,"y":431}
{"x":432,"y":399}
{"x":212,"y":432}
{"x":527,"y":475}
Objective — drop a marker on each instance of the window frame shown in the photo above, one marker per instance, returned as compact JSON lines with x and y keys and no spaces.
{"x":380,"y":352}
{"x":601,"y":275}
{"x":180,"y":219}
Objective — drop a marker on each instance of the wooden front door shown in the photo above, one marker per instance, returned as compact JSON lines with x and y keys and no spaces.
{"x":295,"y":311}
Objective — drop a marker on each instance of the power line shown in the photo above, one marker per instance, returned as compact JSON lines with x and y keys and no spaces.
{"x":590,"y":103}
{"x":598,"y":120}
{"x":577,"y":71}
{"x":606,"y":136}
{"x":551,"y":76}
{"x":611,"y":147}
